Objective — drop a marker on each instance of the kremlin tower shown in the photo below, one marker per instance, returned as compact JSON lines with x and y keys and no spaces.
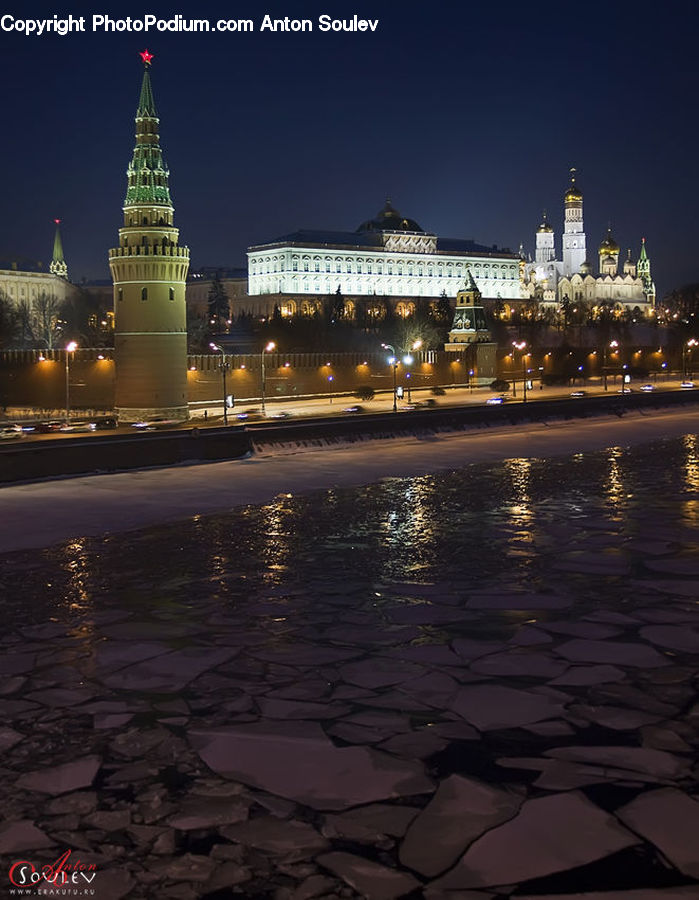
{"x":149,"y":271}
{"x":58,"y":264}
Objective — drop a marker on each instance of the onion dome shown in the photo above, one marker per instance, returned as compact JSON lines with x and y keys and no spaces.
{"x":544,"y":228}
{"x":609,"y":246}
{"x":573,"y":194}
{"x":389,"y":219}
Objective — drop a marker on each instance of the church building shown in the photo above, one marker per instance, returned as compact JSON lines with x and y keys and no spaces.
{"x":550,"y":281}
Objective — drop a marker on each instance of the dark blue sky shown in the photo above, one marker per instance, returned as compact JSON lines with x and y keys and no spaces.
{"x":468,"y":116}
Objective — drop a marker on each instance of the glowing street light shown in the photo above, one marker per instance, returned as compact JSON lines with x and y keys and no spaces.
{"x":224,"y":369}
{"x":612,"y":345}
{"x":687,"y":357}
{"x":520,"y":345}
{"x":70,"y":350}
{"x":268,"y":349}
{"x":393,"y":361}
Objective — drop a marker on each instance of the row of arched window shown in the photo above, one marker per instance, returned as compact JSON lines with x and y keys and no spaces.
{"x":369,"y":266}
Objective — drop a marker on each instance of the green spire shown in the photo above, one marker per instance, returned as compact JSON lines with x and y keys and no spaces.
{"x":147,"y":172}
{"x":146,"y":103}
{"x":58,"y":264}
{"x":644,"y":255}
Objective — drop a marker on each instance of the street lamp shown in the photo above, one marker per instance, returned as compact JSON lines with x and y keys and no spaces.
{"x":70,"y":349}
{"x":613,"y":345}
{"x":687,"y":357}
{"x":393,"y":361}
{"x":268,"y":349}
{"x":224,"y":368}
{"x":521,"y":345}
{"x":408,"y":360}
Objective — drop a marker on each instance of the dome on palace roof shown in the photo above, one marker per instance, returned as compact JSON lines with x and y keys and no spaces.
{"x":609,"y":246}
{"x":389,"y":219}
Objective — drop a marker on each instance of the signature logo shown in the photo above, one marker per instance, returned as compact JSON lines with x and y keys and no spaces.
{"x":64,"y":872}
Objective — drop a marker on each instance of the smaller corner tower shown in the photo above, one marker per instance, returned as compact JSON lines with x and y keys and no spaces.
{"x":574,"y":252}
{"x":58,"y":264}
{"x":469,"y":334}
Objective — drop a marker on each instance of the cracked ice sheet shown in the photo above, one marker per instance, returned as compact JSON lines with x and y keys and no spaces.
{"x":550,"y":834}
{"x":298,"y":762}
{"x":490,"y":706}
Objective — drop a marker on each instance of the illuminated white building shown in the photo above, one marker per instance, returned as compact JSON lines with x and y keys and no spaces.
{"x":551,"y":282}
{"x":388,"y":256}
{"x":24,"y":283}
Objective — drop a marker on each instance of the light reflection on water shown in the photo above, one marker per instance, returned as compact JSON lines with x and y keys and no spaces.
{"x":466,"y":529}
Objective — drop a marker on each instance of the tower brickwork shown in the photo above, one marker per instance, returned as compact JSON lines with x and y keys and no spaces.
{"x":149,"y":271}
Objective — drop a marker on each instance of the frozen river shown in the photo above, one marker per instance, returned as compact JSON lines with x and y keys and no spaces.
{"x":477,"y":679}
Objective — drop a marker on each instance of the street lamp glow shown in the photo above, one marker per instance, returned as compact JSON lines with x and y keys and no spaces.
{"x":224,"y":367}
{"x":70,"y":349}
{"x":408,"y":359}
{"x":268,"y":349}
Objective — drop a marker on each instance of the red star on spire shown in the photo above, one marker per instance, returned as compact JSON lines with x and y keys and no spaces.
{"x":57,"y":221}
{"x":146,"y":57}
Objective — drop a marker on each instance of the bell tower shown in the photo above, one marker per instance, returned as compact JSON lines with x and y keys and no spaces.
{"x":574,"y":252}
{"x":149,"y":271}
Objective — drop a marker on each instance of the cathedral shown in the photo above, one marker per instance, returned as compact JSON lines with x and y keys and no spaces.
{"x":552,"y":282}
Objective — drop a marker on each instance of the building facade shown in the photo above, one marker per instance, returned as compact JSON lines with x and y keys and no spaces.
{"x":22,"y":282}
{"x":149,"y":271}
{"x":387,"y":256}
{"x":552,"y":281}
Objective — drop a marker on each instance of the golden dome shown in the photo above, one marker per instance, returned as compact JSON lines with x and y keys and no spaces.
{"x":544,"y":228}
{"x":573,"y":194}
{"x":609,"y":246}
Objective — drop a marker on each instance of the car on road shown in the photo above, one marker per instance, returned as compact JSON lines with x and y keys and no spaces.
{"x":687,"y":384}
{"x":11,"y":432}
{"x":155,"y":423}
{"x":282,"y":414}
{"x":77,"y":427}
{"x":577,"y":394}
{"x":250,"y":415}
{"x":105,"y":422}
{"x":46,"y":427}
{"x":358,"y":408}
{"x":647,"y":388}
{"x":495,"y":401}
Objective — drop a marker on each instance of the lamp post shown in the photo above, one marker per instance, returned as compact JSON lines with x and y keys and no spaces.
{"x":393,"y":361}
{"x":224,"y":368}
{"x":70,"y":349}
{"x":613,"y":345}
{"x":521,"y":345}
{"x":268,"y":349}
{"x":687,"y":357}
{"x":408,"y":360}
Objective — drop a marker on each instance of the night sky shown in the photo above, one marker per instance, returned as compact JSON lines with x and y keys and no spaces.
{"x":467,"y":116}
